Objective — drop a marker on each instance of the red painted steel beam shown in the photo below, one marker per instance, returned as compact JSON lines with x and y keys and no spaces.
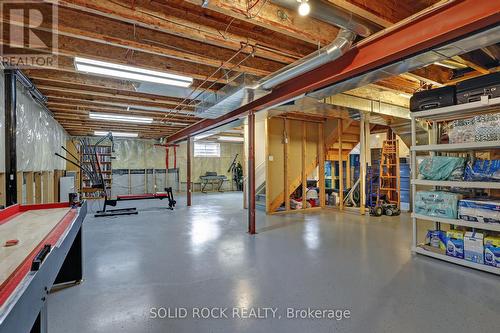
{"x":452,"y":21}
{"x":188,"y":172}
{"x":251,"y":173}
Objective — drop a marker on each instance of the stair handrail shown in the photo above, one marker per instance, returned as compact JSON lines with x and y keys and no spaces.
{"x":257,"y":168}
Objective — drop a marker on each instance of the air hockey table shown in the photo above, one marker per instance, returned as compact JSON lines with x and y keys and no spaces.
{"x":48,"y":253}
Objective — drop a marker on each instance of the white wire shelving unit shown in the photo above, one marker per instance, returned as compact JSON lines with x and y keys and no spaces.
{"x":435,"y":116}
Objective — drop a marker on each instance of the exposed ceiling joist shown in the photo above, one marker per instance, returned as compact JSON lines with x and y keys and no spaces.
{"x":276,"y":18}
{"x":54,"y":96}
{"x":361,"y":12}
{"x":156,"y":16}
{"x":74,"y":47}
{"x":74,"y":90}
{"x":65,"y":72}
{"x":98,"y":29}
{"x":470,"y":63}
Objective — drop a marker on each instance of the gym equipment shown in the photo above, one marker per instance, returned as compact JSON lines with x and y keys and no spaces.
{"x":93,"y":171}
{"x":214,"y":179}
{"x":236,"y":171}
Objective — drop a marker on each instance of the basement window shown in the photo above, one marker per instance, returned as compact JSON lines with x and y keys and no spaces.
{"x":206,"y":149}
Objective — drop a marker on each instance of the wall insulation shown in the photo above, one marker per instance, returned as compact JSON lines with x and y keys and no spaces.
{"x":39,"y":136}
{"x":138,"y":154}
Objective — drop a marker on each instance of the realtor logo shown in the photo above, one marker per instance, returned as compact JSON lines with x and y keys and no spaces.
{"x":28,"y":34}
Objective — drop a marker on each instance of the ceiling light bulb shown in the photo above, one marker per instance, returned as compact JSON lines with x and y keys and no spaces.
{"x":304,"y":8}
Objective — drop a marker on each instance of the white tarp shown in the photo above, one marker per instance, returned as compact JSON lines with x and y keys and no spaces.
{"x":39,"y":136}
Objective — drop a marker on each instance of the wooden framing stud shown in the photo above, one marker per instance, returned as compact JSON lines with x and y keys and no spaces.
{"x":19,"y":180}
{"x":321,"y":161}
{"x":286,"y":149}
{"x":304,"y":174}
{"x":38,"y":187}
{"x":341,"y":167}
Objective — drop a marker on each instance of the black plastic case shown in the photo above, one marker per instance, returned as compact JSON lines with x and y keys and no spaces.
{"x":471,"y":90}
{"x":432,"y":99}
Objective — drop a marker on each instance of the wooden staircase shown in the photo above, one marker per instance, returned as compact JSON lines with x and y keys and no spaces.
{"x":350,"y":138}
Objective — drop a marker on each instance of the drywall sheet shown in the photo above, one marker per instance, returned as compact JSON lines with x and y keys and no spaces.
{"x":39,"y":135}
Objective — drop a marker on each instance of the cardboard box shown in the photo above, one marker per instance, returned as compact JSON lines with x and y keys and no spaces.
{"x":473,"y":247}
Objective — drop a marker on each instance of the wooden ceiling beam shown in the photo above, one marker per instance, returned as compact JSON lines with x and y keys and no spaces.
{"x":99,"y":29}
{"x":111,"y":93}
{"x":116,"y":125}
{"x":56,"y":101}
{"x":155,"y":116}
{"x":62,"y":77}
{"x":155,"y":16}
{"x":66,"y":73}
{"x":393,"y":11}
{"x":361,"y":12}
{"x":471,"y":63}
{"x":74,"y":47}
{"x":85,"y":106}
{"x":270,"y":16}
{"x":58,"y":96}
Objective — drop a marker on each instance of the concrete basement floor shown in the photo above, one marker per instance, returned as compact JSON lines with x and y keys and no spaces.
{"x":202,"y":257}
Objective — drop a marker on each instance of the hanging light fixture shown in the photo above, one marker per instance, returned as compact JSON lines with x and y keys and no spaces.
{"x":304,"y":8}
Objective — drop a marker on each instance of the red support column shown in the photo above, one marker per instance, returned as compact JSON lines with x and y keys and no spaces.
{"x":188,"y":171}
{"x":251,"y":172}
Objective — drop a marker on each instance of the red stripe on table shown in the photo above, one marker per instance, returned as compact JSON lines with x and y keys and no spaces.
{"x":11,"y":283}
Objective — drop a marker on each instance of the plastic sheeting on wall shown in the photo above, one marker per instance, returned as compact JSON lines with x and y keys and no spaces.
{"x":138,"y":154}
{"x":38,"y":137}
{"x":2,"y":120}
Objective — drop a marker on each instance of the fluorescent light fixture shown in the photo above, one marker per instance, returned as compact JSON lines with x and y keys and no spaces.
{"x":231,"y":138}
{"x":117,"y":134}
{"x":116,"y":117}
{"x":131,"y":73}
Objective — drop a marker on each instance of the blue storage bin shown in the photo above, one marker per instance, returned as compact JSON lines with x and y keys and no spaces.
{"x":405,"y":183}
{"x":405,"y":196}
{"x":404,"y":170}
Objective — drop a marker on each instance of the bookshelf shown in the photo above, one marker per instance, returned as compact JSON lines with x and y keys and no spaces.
{"x":104,"y":158}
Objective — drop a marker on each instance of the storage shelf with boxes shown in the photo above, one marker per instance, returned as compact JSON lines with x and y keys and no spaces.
{"x":455,"y":183}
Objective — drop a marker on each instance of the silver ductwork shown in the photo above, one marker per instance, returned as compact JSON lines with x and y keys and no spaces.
{"x":334,"y":15}
{"x":243,"y":90}
{"x":314,"y":60}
